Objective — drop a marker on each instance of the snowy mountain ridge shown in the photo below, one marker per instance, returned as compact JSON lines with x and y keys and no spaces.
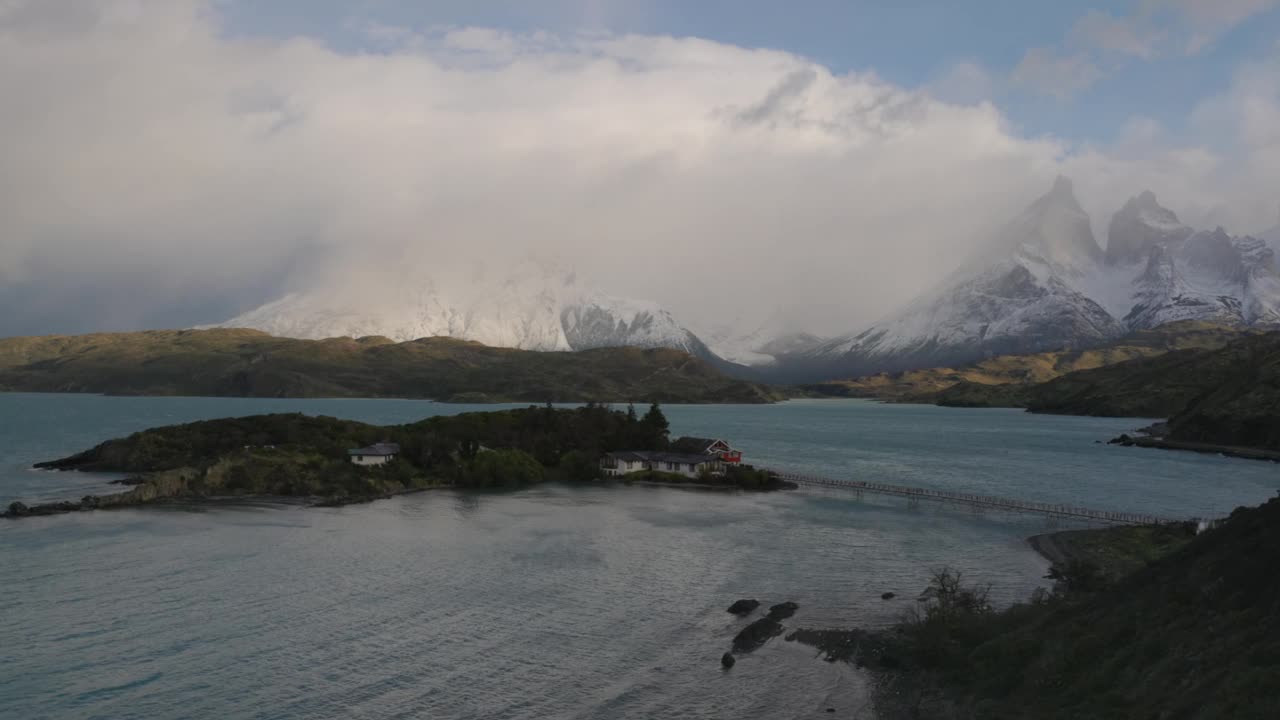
{"x":535,"y":307}
{"x":1045,"y":283}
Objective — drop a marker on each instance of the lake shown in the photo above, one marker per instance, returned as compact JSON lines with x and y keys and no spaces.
{"x":552,"y":602}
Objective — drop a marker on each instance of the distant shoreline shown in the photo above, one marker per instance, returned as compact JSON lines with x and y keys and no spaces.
{"x":1159,"y":443}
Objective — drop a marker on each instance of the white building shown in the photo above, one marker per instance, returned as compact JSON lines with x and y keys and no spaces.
{"x":376,"y":454}
{"x":625,"y":462}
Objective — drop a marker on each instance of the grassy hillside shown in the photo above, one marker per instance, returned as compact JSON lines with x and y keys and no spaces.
{"x":1229,"y":396}
{"x":1000,"y":381}
{"x":1244,"y":408}
{"x":1192,"y":635}
{"x":252,"y":364}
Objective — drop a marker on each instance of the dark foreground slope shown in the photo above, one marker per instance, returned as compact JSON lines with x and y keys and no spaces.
{"x":248,"y":363}
{"x":1227,"y":397}
{"x":1194,"y":635}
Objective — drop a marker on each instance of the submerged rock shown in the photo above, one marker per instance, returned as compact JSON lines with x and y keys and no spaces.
{"x":782,"y":611}
{"x":742,"y":607}
{"x":756,"y":634}
{"x":888,"y":596}
{"x":728,"y":660}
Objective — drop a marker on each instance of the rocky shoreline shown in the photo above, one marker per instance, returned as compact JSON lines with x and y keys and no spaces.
{"x":1154,"y":441}
{"x":18,"y":509}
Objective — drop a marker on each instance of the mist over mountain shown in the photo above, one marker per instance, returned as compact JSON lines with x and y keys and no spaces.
{"x":533,"y":305}
{"x":1040,"y":282}
{"x":1044,"y":283}
{"x":183,"y":174}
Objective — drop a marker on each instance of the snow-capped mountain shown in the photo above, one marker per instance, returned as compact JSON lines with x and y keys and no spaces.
{"x":1044,"y":283}
{"x":764,"y":345}
{"x":1272,"y":238}
{"x":534,"y":307}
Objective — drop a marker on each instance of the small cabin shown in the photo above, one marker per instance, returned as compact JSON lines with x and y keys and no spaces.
{"x":376,"y":454}
{"x":708,"y":446}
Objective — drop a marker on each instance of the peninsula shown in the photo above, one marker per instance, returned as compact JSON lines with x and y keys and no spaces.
{"x":1219,"y":388}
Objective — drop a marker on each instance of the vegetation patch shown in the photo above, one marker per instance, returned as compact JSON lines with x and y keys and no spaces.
{"x":1194,"y":632}
{"x":247,"y":363}
{"x":302,"y":456}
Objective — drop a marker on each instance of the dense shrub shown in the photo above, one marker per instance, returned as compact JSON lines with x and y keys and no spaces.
{"x":500,"y":468}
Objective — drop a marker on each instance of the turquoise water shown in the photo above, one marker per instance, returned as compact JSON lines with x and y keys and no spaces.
{"x":573,"y":602}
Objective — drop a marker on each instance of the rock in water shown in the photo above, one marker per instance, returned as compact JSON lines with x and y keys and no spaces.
{"x":782,"y":611}
{"x":888,"y":596}
{"x":728,"y":660}
{"x":756,"y":634}
{"x":742,"y":607}
{"x":17,"y":509}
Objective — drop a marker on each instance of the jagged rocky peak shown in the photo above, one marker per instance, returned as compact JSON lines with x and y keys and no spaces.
{"x":1056,"y":231}
{"x":1141,"y":226}
{"x":1043,"y":283}
{"x":1214,"y":252}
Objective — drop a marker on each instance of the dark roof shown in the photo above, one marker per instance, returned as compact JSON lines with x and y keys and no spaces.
{"x":629,"y":456}
{"x":377,"y":449}
{"x":651,"y":456}
{"x":694,"y":444}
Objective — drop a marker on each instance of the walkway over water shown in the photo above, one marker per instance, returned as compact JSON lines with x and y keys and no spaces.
{"x":982,"y":501}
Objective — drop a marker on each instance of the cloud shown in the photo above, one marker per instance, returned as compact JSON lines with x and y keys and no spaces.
{"x":1204,"y":21}
{"x":1122,"y":35}
{"x":1100,"y":41}
{"x":1161,"y":28}
{"x":154,"y":171}
{"x":1043,"y":71}
{"x":963,"y":82}
{"x":1244,"y":123}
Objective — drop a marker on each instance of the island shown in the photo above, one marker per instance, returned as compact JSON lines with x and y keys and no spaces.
{"x":329,"y":461}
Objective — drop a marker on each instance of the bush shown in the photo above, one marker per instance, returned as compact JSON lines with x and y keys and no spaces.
{"x":578,"y":466}
{"x":500,"y":468}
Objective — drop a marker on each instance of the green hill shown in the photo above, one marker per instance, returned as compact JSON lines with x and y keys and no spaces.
{"x":1224,"y":397}
{"x":248,"y":363}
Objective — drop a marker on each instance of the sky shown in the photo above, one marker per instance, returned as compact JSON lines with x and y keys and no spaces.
{"x":166,"y":163}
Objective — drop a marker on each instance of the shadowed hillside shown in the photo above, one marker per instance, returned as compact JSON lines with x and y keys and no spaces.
{"x":1001,"y":381}
{"x":1192,"y":635}
{"x":248,"y":363}
{"x":1229,"y":396}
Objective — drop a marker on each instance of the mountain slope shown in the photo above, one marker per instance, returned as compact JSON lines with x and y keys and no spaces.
{"x":1043,"y":284}
{"x":1229,"y":396}
{"x":536,"y":306}
{"x":1020,"y":295}
{"x":1003,"y":379}
{"x":247,"y":363}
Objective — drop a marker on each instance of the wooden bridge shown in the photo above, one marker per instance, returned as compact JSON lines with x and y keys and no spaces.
{"x":982,"y":501}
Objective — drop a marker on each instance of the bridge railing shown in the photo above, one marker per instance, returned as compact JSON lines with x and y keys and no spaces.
{"x":988,"y":501}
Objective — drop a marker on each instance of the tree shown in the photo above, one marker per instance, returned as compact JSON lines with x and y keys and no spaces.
{"x":579,"y":466}
{"x":655,"y":429}
{"x":499,"y":468}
